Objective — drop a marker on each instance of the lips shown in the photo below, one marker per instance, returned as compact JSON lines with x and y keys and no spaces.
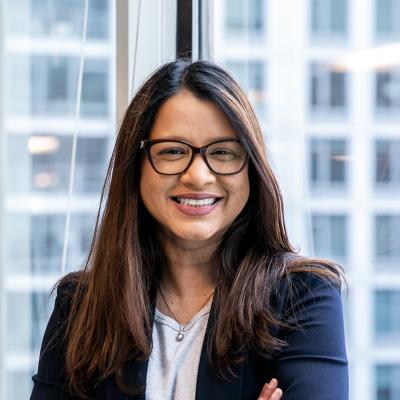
{"x":199,"y":210}
{"x":180,"y":199}
{"x":197,"y":196}
{"x":196,"y":211}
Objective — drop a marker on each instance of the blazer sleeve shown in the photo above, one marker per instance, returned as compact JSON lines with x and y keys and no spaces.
{"x":49,"y":380}
{"x":314,"y":364}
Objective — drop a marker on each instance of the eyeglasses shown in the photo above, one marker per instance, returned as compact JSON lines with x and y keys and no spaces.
{"x":173,"y":157}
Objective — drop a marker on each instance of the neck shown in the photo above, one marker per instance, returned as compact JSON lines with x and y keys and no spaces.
{"x":190,"y":271}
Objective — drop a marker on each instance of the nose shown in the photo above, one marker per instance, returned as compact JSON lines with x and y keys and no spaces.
{"x":198,"y":172}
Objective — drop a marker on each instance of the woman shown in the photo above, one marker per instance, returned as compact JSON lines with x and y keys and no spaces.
{"x":191,"y":288}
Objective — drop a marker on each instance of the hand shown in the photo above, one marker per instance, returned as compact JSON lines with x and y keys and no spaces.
{"x":270,"y":391}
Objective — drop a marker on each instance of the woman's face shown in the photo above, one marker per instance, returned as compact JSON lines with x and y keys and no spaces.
{"x":198,"y":122}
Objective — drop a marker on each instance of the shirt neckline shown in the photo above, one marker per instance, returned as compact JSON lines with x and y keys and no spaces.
{"x":170,"y":322}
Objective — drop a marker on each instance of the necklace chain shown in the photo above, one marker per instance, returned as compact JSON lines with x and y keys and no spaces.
{"x":180,"y":335}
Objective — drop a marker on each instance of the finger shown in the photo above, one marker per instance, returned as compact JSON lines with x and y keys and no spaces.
{"x":268,"y":389}
{"x":277,"y":394}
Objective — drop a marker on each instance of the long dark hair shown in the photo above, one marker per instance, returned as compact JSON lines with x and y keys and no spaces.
{"x":110,"y":315}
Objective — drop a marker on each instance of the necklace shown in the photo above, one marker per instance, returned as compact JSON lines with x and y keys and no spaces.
{"x":180,"y":334}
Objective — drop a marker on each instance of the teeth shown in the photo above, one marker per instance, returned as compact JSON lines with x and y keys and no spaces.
{"x":196,"y":203}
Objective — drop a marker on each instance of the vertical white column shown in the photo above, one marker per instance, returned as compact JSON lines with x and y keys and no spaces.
{"x":361,"y":184}
{"x":3,"y":148}
{"x":146,"y":38}
{"x":285,"y":138}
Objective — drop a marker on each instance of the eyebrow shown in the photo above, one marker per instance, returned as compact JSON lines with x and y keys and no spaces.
{"x":178,"y":137}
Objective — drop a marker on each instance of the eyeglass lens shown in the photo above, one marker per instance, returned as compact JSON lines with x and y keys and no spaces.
{"x":173,"y":157}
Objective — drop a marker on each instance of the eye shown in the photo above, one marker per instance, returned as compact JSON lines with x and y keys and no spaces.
{"x":172,"y":151}
{"x":172,"y":154}
{"x":222,"y":152}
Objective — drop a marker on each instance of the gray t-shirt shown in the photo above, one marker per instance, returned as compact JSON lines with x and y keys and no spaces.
{"x":173,"y":364}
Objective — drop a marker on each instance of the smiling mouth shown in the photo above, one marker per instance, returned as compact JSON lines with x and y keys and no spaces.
{"x":194,"y":203}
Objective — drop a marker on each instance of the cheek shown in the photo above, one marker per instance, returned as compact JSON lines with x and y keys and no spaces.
{"x":148,"y":185}
{"x":246,"y":187}
{"x":244,"y":184}
{"x":239,"y":190}
{"x":154,"y":189}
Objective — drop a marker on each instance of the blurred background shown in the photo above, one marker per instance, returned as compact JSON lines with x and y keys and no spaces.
{"x":324,"y":79}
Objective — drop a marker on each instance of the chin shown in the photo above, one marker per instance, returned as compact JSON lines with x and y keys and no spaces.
{"x":193,"y":234}
{"x":196,"y":238}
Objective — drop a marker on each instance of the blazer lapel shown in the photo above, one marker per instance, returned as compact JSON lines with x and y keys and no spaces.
{"x":136,"y":372}
{"x":210,"y":387}
{"x":134,"y":376}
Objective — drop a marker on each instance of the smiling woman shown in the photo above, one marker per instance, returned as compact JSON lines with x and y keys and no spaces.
{"x":192,"y":289}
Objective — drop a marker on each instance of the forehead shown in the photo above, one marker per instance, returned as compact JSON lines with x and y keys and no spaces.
{"x":185,"y":117}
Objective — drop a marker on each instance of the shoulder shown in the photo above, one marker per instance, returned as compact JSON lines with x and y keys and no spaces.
{"x":311,"y":295}
{"x":301,"y":283}
{"x":67,"y":289}
{"x":293,"y":287}
{"x":315,"y":351}
{"x":295,"y":275}
{"x":314,"y":316}
{"x":68,"y":283}
{"x":306,"y":281}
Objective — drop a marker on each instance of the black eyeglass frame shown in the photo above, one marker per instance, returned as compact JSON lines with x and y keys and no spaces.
{"x":146,"y":145}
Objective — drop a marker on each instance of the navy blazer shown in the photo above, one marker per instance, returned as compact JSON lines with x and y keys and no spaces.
{"x":313,"y":366}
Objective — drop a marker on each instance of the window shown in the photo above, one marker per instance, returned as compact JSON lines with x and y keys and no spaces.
{"x":95,"y":89}
{"x":251,"y":77}
{"x":387,"y":163}
{"x":387,"y":18}
{"x":35,"y":242}
{"x":50,"y":161}
{"x":57,"y":82}
{"x":27,"y":316}
{"x":46,"y":168}
{"x":46,"y":242}
{"x":53,"y":85}
{"x":328,"y":18}
{"x":328,"y":163}
{"x":98,"y":17}
{"x":328,"y":89}
{"x":17,"y":251}
{"x":388,"y":92}
{"x":91,"y":160}
{"x":329,"y":236}
{"x":19,"y":383}
{"x":81,"y":233}
{"x":244,"y":16}
{"x":47,"y":235}
{"x":387,"y":381}
{"x":387,"y":240}
{"x":47,"y":86}
{"x":387,"y":316}
{"x":57,"y":18}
